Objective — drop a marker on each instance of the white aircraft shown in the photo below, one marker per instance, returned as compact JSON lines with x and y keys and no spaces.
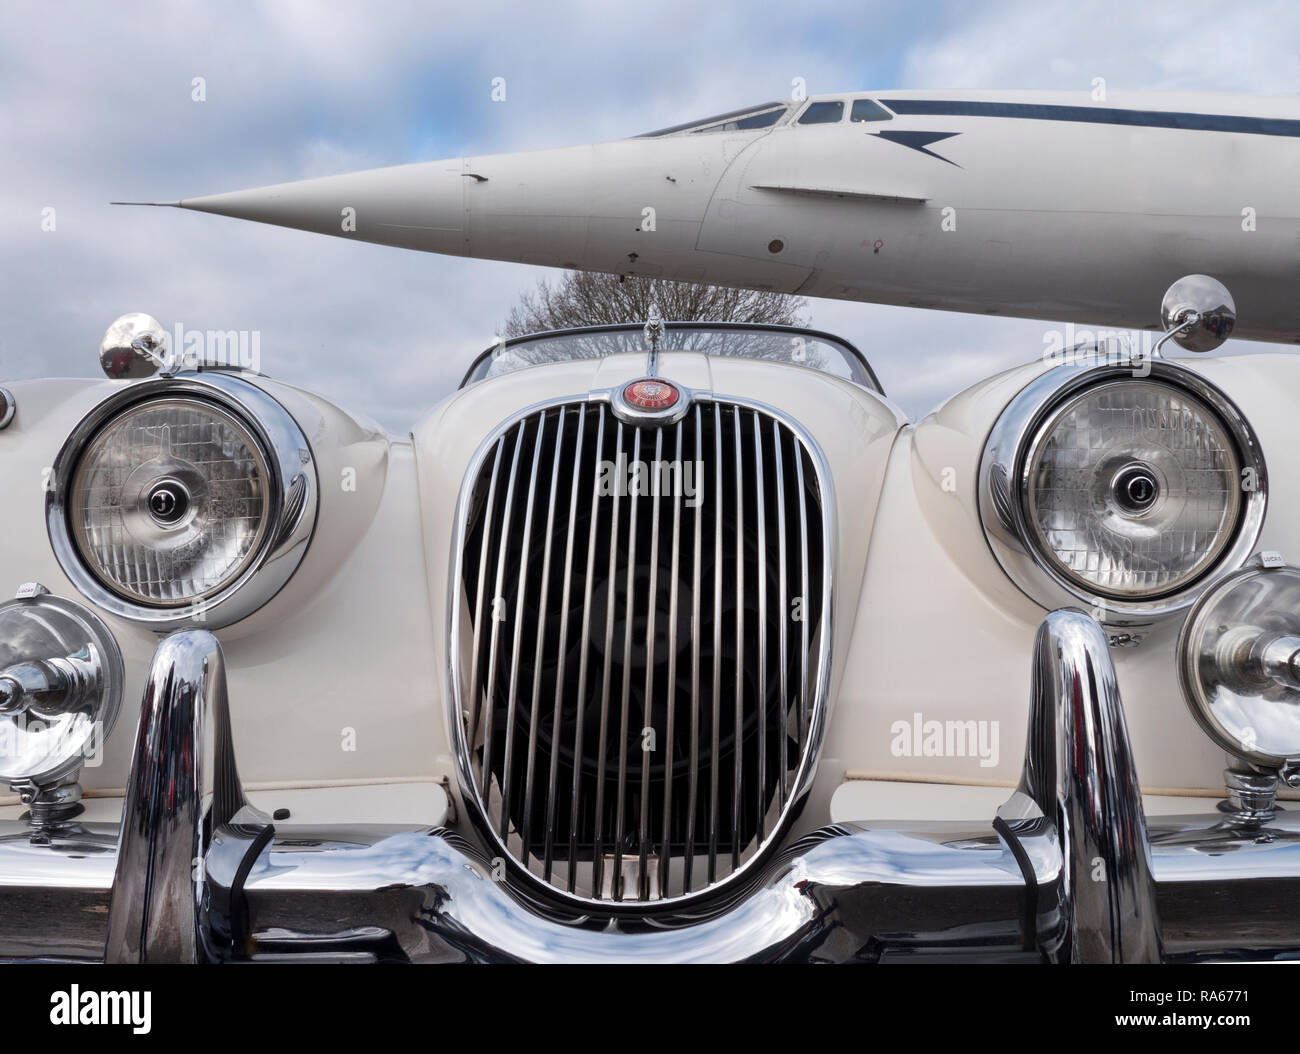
{"x":1040,"y":205}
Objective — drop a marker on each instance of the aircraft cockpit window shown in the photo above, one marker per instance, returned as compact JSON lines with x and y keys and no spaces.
{"x":868,"y":110}
{"x":739,"y":121}
{"x":823,"y":113}
{"x":763,"y":119}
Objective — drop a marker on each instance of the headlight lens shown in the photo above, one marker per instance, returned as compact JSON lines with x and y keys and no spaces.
{"x":1133,"y":488}
{"x":170,"y":501}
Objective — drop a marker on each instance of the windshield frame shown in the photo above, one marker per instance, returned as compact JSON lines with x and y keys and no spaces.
{"x":868,"y":380}
{"x":720,"y":118}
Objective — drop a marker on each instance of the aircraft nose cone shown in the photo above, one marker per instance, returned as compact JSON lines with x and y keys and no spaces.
{"x":420,"y":206}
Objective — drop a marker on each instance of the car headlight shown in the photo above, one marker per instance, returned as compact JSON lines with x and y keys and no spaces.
{"x":1119,"y":490}
{"x":180,"y":496}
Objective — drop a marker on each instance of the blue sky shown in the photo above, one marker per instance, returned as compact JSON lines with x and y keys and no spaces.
{"x":95,"y":105}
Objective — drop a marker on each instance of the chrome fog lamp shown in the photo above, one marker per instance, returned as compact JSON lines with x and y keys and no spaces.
{"x":1124,"y":491}
{"x":182,"y":500}
{"x":1239,"y":664}
{"x":60,"y":691}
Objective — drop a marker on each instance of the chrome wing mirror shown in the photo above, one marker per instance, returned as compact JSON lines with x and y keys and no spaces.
{"x":135,"y":346}
{"x":1197,"y":313}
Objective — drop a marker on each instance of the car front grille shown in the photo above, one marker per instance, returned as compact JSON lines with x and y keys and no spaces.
{"x":640,"y":621}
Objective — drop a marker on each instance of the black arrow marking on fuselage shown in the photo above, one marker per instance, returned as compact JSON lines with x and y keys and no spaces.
{"x":919,"y":141}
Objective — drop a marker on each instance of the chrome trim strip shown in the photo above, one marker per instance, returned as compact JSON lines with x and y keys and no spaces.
{"x":293,"y":491}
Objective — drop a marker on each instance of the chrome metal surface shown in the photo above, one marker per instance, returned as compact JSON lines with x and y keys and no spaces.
{"x":645,"y":771}
{"x":292,"y":512}
{"x":48,"y":688}
{"x":845,"y":894}
{"x":61,"y":678}
{"x":183,"y":787}
{"x":1078,"y":811}
{"x":1236,"y":664}
{"x":134,"y":346}
{"x":51,"y":805}
{"x":1003,"y":483}
{"x":637,"y":415}
{"x":849,"y":893}
{"x":8,"y":404}
{"x":1197,"y":313}
{"x":654,"y":335}
{"x":1251,"y":796}
{"x":1065,"y":874}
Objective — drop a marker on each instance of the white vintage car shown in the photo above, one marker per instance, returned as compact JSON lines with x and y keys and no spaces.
{"x":662,"y":643}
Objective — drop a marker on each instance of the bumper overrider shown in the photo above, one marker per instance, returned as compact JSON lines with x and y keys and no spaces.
{"x":1067,"y":871}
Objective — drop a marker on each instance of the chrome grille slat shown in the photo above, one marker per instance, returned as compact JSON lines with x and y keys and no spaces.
{"x":694,"y":765}
{"x":643,"y":831}
{"x":683,"y":624}
{"x":513,"y":691}
{"x":626,"y":698}
{"x":607,"y":672}
{"x":670,"y":682}
{"x":715,"y":741}
{"x":804,"y":596}
{"x":760,"y":517}
{"x":478,"y":601}
{"x":497,"y":599}
{"x":581,"y":697}
{"x":542,"y":611}
{"x":565,"y":592}
{"x":738,"y":757}
{"x":783,"y":615}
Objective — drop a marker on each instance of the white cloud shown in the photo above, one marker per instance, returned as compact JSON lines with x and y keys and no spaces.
{"x":1198,"y":45}
{"x":97,"y":106}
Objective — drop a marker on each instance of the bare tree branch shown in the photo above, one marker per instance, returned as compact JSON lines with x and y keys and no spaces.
{"x":579,"y":298}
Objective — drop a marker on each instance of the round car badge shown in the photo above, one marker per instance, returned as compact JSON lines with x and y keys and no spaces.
{"x":651,"y":394}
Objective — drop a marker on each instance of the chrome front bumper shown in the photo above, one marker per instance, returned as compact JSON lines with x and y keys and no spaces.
{"x":1068,"y":871}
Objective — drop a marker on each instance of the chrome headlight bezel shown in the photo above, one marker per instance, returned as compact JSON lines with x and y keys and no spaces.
{"x":291,"y":516}
{"x":1004,"y":484}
